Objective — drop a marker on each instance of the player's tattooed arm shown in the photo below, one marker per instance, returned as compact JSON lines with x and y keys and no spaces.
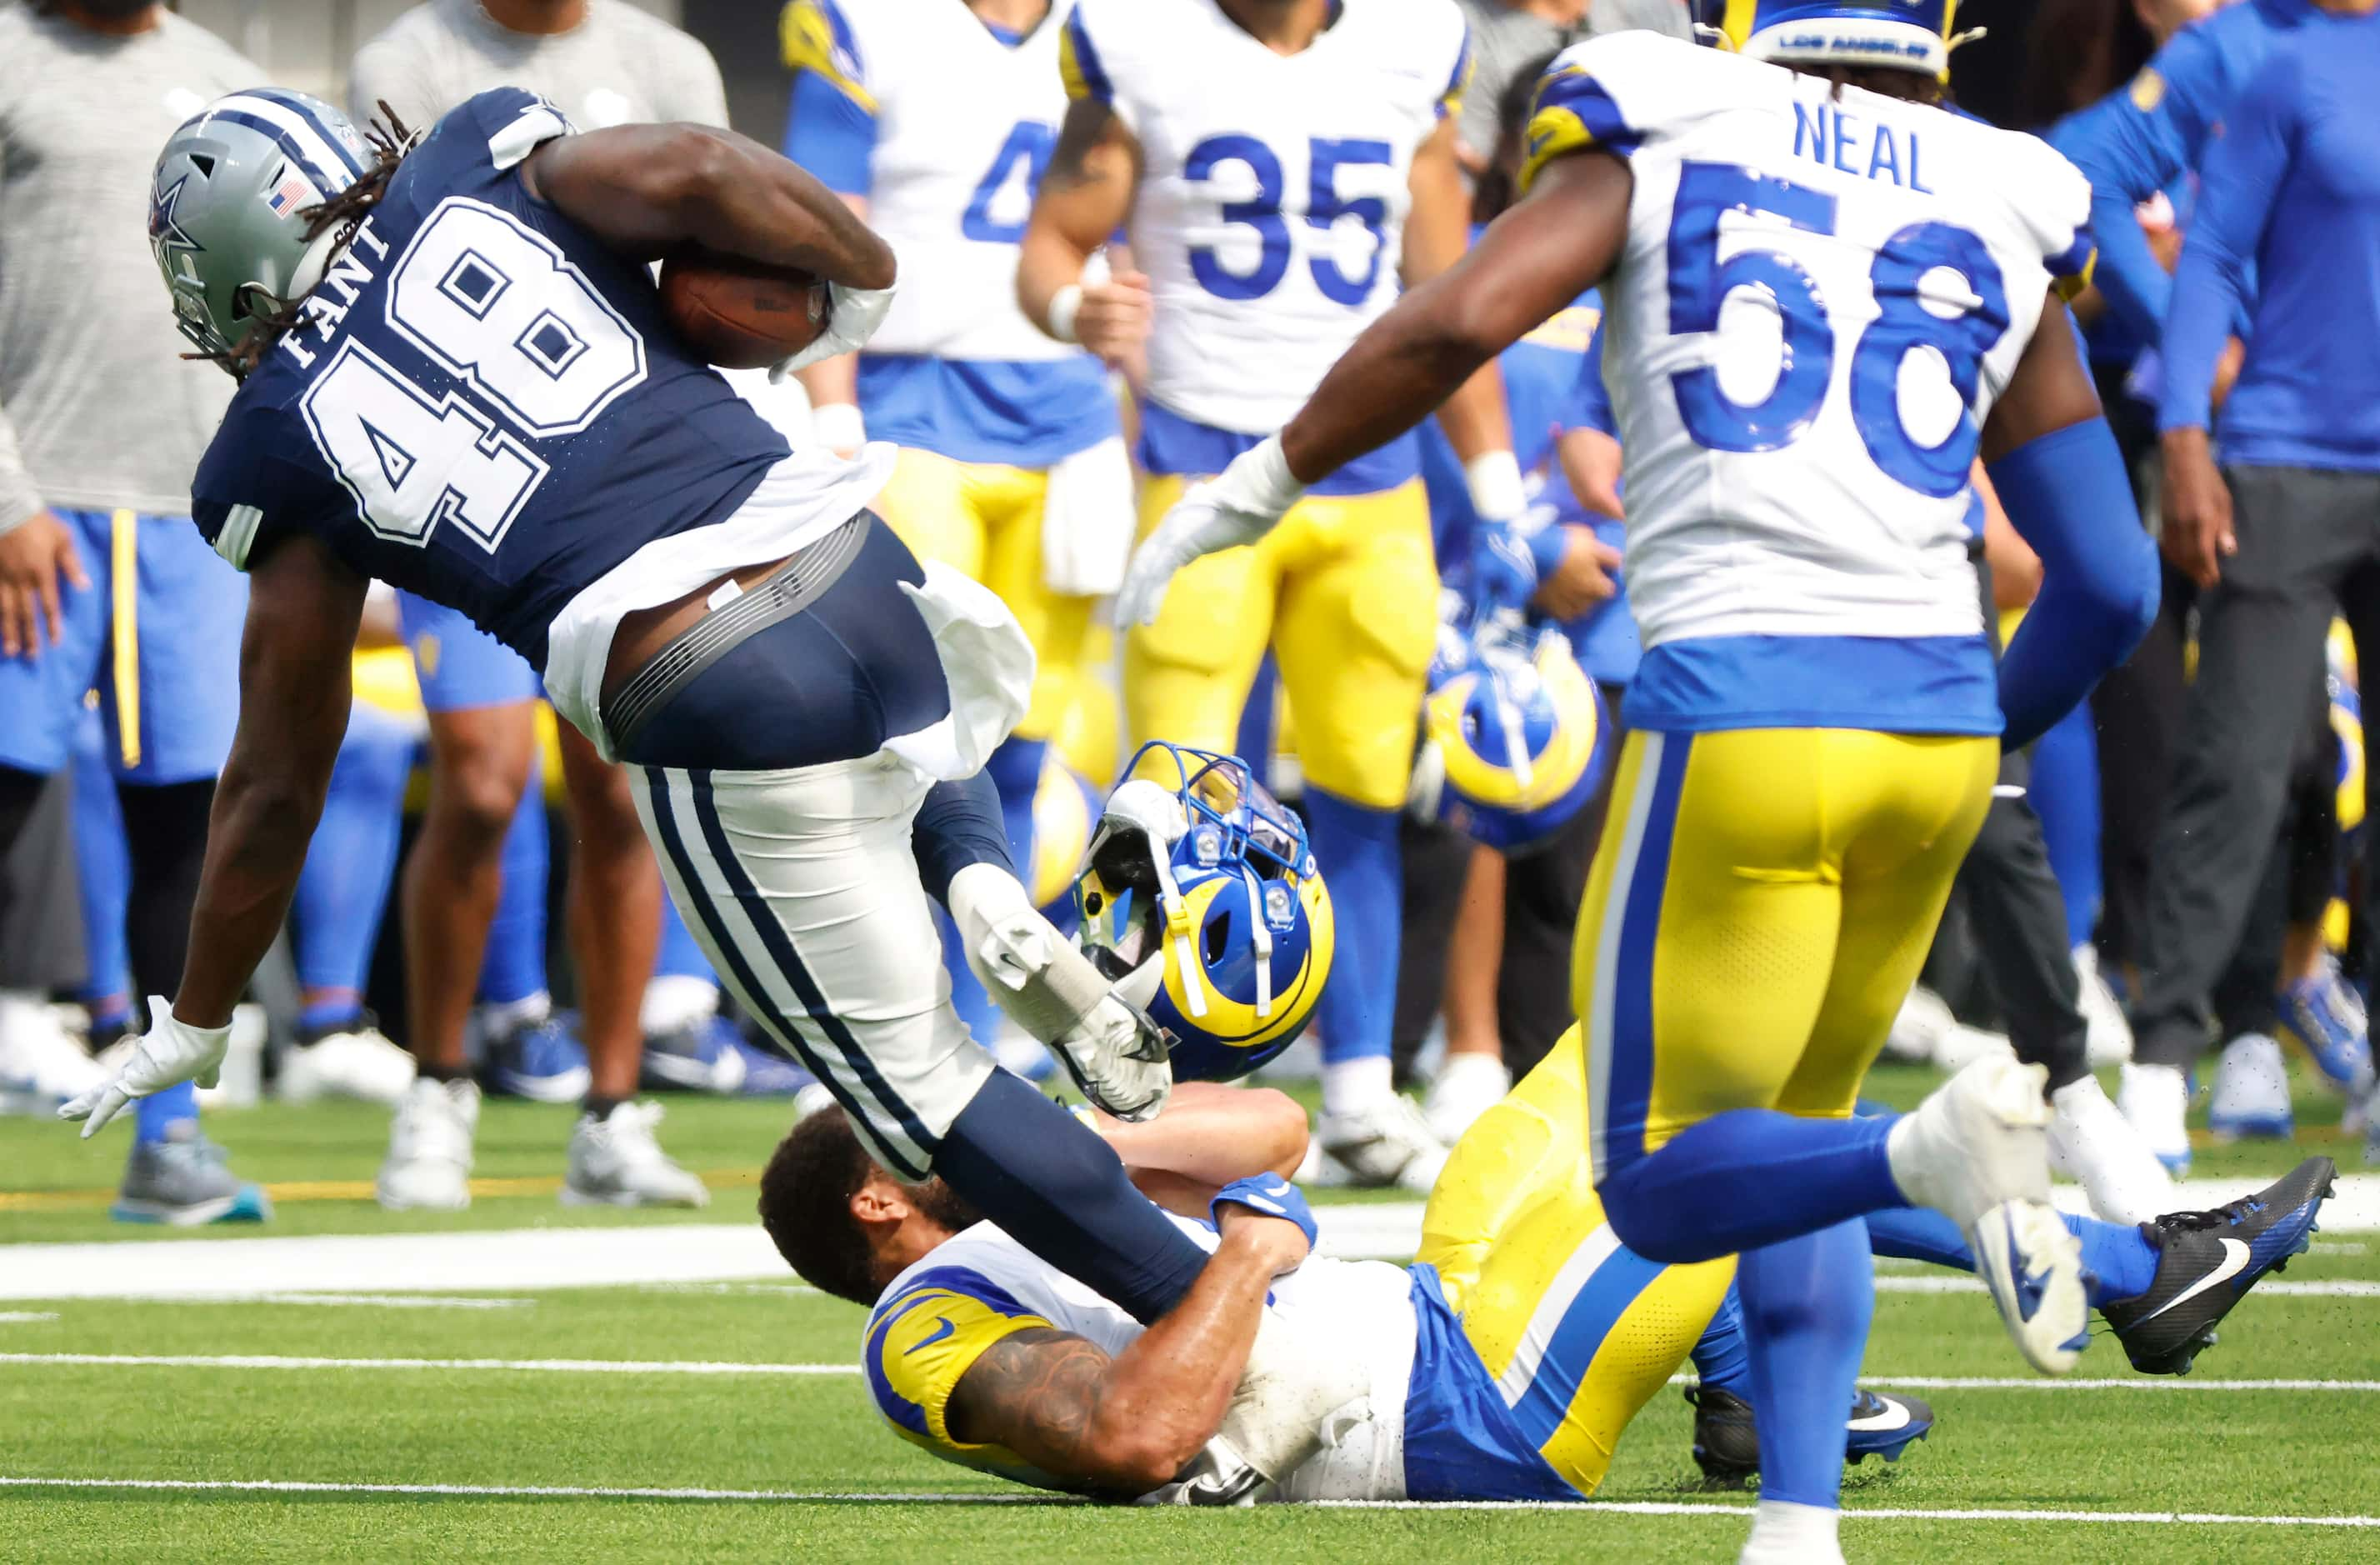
{"x":1085,"y":196}
{"x":1127,"y":1425}
{"x":303,"y":609}
{"x":648,"y":190}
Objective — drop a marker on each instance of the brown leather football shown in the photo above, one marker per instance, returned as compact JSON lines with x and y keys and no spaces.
{"x":741,"y":314}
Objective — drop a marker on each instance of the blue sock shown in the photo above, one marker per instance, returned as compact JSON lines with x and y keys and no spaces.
{"x":343,"y":890}
{"x":2065,"y":794}
{"x":330,"y":1015}
{"x":1721,"y":1359}
{"x":1054,"y":1186}
{"x":2118,"y":1261}
{"x":514,"y":967}
{"x":1747,"y":1178}
{"x":1807,"y":1302}
{"x":1365,"y":868}
{"x":680,"y":957}
{"x":1016,"y":771}
{"x":152,"y":1114}
{"x":103,"y":865}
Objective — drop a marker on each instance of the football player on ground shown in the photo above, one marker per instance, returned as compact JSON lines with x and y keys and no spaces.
{"x":604,"y":64}
{"x":1823,"y":294}
{"x":935,"y":122}
{"x":1504,"y":1364}
{"x":456,"y":377}
{"x":1280,"y":164}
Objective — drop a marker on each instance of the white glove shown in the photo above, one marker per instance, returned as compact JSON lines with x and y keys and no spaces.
{"x":1036,"y":975}
{"x":1239,"y":506}
{"x":169,"y":1053}
{"x":851,"y":317}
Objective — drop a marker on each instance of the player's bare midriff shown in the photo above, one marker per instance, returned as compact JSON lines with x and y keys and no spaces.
{"x":643,"y":632}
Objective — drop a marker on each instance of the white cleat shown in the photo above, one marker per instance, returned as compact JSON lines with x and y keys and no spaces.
{"x":2032,"y":1263}
{"x":2092,"y":1143}
{"x":1918,"y":1031}
{"x":2156,"y":1099}
{"x":428,"y":1166}
{"x":1467,"y":1086}
{"x":1388,"y":1145}
{"x":2252,"y":1092}
{"x":41,"y":1065}
{"x":2109,"y":1041}
{"x":1977,"y":1151}
{"x":358,"y":1062}
{"x":1963,"y":1045}
{"x":617,"y":1162}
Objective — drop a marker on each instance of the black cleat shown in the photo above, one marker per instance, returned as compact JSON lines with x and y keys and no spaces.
{"x":1726,"y":1443}
{"x":2207,"y":1261}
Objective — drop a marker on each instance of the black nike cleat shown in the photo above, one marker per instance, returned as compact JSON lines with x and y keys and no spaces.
{"x":1727,"y":1442}
{"x":2206,"y":1263}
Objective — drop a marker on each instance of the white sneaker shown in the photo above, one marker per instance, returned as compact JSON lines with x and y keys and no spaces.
{"x":2092,"y":1144}
{"x":2157,"y":1100}
{"x":1918,"y":1031}
{"x":1467,"y":1086}
{"x":41,"y":1064}
{"x":1963,"y":1045}
{"x":2252,"y":1091}
{"x":1384,"y":1147}
{"x":2110,"y":1039}
{"x":616,"y":1162}
{"x":1977,"y":1151}
{"x":429,"y":1163}
{"x":357,"y":1061}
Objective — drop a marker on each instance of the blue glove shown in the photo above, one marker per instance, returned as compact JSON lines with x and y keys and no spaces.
{"x":1504,"y":568}
{"x":1270,"y":1195}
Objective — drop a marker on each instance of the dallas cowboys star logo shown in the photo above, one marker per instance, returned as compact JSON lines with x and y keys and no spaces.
{"x":164,"y":230}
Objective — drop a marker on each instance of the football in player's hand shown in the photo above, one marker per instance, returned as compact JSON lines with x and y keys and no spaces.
{"x":741,"y":314}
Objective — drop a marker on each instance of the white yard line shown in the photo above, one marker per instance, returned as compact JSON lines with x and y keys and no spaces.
{"x":26,"y":1317}
{"x":1935,"y":1281}
{"x":701,"y":1366}
{"x":529,"y":1365}
{"x":798,"y":1497}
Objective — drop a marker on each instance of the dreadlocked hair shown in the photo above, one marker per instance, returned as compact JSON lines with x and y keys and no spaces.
{"x":388,"y":140}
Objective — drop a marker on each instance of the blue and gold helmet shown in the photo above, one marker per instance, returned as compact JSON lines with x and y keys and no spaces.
{"x":1907,"y":34}
{"x":1513,"y":737}
{"x":1200,"y":900}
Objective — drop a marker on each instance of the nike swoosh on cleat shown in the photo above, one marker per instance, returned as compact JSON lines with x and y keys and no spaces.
{"x":2028,"y":1287}
{"x":2235,"y":1260}
{"x":1894,"y":1417}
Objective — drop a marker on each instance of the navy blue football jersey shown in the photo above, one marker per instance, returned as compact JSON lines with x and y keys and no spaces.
{"x":484,"y":406}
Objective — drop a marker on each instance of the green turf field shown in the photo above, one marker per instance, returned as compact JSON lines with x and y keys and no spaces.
{"x":682,"y":1422}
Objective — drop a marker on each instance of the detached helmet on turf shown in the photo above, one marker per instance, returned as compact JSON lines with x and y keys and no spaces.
{"x":227,"y":208}
{"x":1513,"y":737}
{"x":1201,"y":902}
{"x":1906,"y":34}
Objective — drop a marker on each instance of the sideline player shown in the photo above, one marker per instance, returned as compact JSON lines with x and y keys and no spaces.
{"x":604,"y":64}
{"x":1280,"y":164}
{"x":1823,"y":294}
{"x":934,"y":121}
{"x":456,"y":377}
{"x":103,"y":586}
{"x":1504,"y":1364}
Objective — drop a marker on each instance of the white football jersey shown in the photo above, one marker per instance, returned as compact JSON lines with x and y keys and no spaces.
{"x":1270,"y":213}
{"x":1821,"y":293}
{"x":936,"y":1319}
{"x":964,"y":125}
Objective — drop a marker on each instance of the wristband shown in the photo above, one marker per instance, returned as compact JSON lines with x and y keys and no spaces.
{"x":1493,"y":478}
{"x":1063,"y":305}
{"x":1258,"y":481}
{"x":838,"y":426}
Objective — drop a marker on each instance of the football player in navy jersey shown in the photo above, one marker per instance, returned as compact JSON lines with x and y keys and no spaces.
{"x":456,"y":377}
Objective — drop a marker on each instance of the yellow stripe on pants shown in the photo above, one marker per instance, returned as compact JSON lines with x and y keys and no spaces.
{"x":123,"y":559}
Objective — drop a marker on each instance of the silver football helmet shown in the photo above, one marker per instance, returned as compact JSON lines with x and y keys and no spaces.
{"x":227,"y":205}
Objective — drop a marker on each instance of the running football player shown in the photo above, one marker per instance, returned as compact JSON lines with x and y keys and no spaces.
{"x":1280,"y":164}
{"x":456,"y":377}
{"x":1825,"y":293}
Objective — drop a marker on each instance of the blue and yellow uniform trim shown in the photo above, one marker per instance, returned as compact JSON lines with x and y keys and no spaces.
{"x":814,"y":36}
{"x":1576,"y":1332}
{"x":1078,"y":63}
{"x":1760,"y":906}
{"x":918,"y":1345}
{"x":1571,"y":112}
